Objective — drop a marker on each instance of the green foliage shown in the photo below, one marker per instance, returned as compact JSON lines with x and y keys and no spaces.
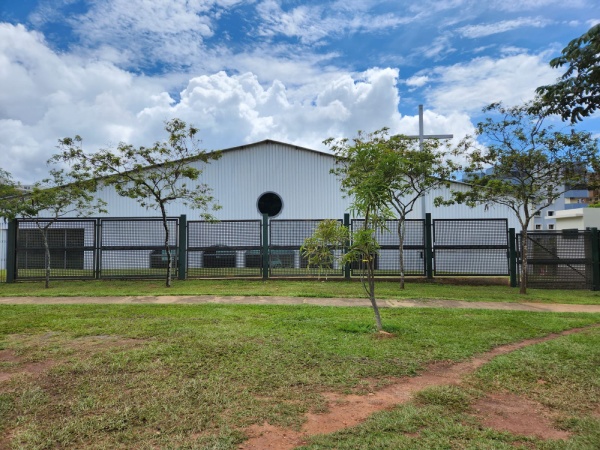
{"x":386,"y":175}
{"x":529,"y":164}
{"x":153,"y":176}
{"x":390,"y":172}
{"x":324,"y":247}
{"x":576,"y":94}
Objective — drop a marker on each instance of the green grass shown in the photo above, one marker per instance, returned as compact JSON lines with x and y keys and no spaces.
{"x":309,"y":288}
{"x":563,"y":375}
{"x":195,"y":376}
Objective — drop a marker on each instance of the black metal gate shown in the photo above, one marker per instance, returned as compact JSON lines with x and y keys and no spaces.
{"x":228,"y":248}
{"x":135,"y":247}
{"x":471,"y":247}
{"x":559,"y":259}
{"x":285,"y":259}
{"x":72,"y":245}
{"x":387,"y":262}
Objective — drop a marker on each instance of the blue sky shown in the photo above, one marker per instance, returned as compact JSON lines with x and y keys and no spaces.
{"x":247,"y":70}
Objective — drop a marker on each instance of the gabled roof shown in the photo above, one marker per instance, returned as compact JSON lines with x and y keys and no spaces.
{"x":271,"y":141}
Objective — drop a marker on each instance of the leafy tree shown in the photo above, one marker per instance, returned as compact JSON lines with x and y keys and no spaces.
{"x":60,"y":195}
{"x":576,"y":94}
{"x":529,"y":165}
{"x":321,"y":249}
{"x":153,"y":176}
{"x":393,"y":169}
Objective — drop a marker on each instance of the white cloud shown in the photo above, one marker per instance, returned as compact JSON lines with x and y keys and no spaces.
{"x":477,"y":31}
{"x":528,"y":5}
{"x":50,"y":96}
{"x":313,"y":23}
{"x":417,"y":81}
{"x":231,"y":110}
{"x":470,"y":86}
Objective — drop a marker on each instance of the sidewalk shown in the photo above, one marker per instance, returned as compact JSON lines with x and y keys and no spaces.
{"x":240,"y":300}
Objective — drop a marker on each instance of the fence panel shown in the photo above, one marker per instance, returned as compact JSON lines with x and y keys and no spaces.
{"x":228,"y":248}
{"x":387,"y":262}
{"x":135,"y":248}
{"x":558,"y":259}
{"x":470,"y":247}
{"x":72,"y":244}
{"x":285,"y":260}
{"x":3,"y":249}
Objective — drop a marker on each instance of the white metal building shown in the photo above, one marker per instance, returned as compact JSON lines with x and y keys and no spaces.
{"x":299,"y":177}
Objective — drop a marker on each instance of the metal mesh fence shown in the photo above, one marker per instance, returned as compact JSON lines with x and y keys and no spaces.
{"x":285,"y":259}
{"x":559,"y":259}
{"x":3,"y":249}
{"x":227,"y":248}
{"x":135,"y":248}
{"x":470,"y":247}
{"x":72,"y":248}
{"x":387,"y":262}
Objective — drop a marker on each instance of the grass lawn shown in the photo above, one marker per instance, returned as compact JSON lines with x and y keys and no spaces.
{"x":196,"y":376}
{"x":440,"y":289}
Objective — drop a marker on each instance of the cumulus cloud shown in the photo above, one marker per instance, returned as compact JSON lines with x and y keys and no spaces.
{"x":50,"y":96}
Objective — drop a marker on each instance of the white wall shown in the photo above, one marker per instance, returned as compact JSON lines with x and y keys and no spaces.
{"x":580,"y":218}
{"x":301,"y":177}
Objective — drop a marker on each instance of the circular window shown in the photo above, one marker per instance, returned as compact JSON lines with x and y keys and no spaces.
{"x":270,"y":203}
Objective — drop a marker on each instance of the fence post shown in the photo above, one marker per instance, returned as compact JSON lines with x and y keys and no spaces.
{"x":97,"y":248}
{"x":428,"y":246}
{"x":347,"y":244}
{"x":265,"y":247}
{"x":512,"y":257}
{"x":11,"y":251}
{"x":182,"y":246}
{"x":595,"y":260}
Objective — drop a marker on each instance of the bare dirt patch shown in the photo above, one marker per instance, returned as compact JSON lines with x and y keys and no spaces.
{"x":345,"y":411}
{"x":517,"y":415}
{"x":12,"y":365}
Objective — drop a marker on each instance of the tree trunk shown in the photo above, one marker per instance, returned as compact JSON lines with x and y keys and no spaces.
{"x":167,"y":247}
{"x":523,"y":249}
{"x":371,"y":281}
{"x":401,"y":234}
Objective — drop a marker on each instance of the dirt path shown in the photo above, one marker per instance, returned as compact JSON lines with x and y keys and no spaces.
{"x":276,"y":300}
{"x":511,"y":414}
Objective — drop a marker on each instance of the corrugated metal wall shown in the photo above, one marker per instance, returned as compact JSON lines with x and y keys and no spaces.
{"x":299,"y":176}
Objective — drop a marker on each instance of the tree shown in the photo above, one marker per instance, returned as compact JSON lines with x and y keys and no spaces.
{"x":529,"y":165}
{"x":153,"y":176}
{"x":323,"y":247}
{"x":396,"y":169}
{"x":60,"y":195}
{"x":369,"y":200}
{"x":576,"y":94}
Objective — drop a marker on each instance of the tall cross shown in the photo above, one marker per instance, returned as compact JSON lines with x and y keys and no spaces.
{"x":422,"y":136}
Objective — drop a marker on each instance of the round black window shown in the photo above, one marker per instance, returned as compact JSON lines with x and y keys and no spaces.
{"x":270,"y":203}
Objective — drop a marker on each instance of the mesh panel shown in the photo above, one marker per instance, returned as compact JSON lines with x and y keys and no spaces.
{"x":470,"y":247}
{"x":224,"y":249}
{"x":387,"y":262}
{"x":285,"y":259}
{"x":71,"y":244}
{"x":3,"y":244}
{"x":135,"y":248}
{"x":559,"y":260}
